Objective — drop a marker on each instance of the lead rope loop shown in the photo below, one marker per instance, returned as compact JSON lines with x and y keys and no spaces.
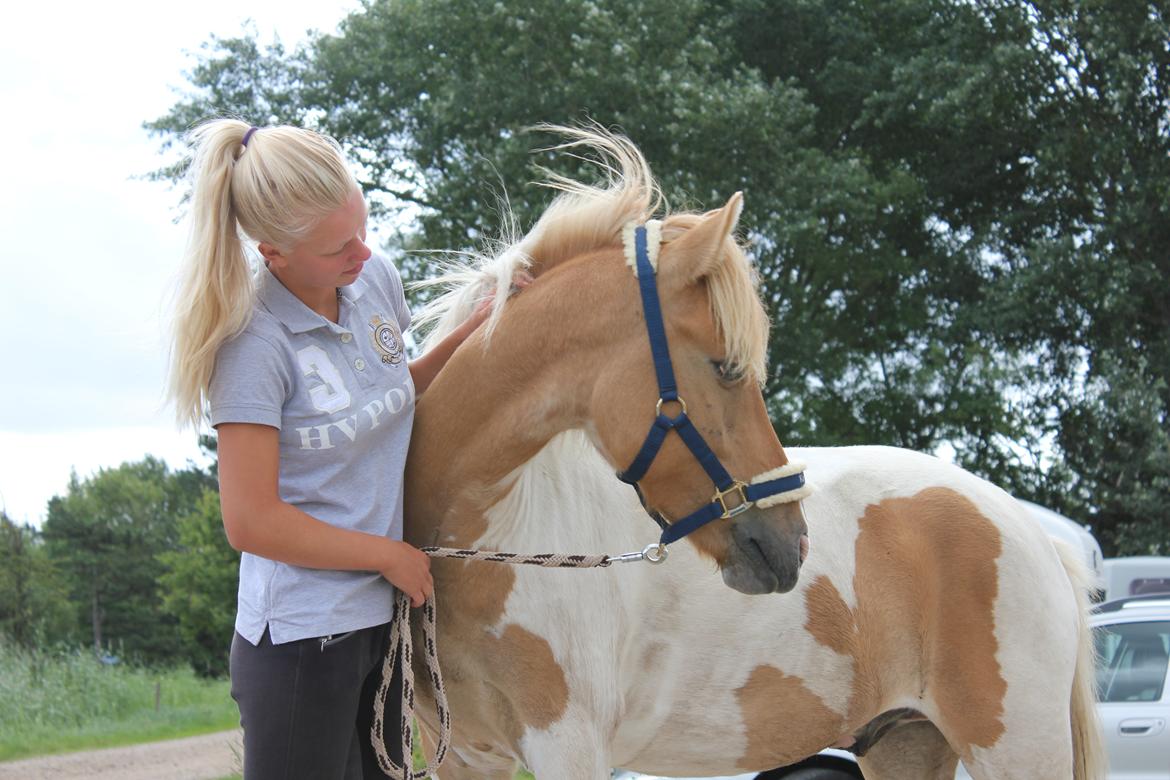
{"x":400,"y":649}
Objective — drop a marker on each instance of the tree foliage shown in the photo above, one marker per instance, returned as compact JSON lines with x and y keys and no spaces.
{"x":32,"y":594}
{"x":958,"y":210}
{"x":199,"y":586}
{"x":106,"y":535}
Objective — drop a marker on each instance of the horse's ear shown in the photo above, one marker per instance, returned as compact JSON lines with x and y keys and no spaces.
{"x":699,"y":251}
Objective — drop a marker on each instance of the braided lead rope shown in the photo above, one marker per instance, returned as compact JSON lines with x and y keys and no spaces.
{"x":400,"y":648}
{"x":548,"y":560}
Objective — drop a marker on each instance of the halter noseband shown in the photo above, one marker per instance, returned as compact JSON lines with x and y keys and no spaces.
{"x":777,"y":486}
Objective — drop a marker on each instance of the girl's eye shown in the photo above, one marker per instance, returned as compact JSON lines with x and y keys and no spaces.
{"x":726,"y":372}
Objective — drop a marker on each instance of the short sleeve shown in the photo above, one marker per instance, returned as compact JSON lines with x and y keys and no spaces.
{"x":250,"y":383}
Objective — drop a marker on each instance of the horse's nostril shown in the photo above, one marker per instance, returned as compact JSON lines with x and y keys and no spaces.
{"x":803,"y":547}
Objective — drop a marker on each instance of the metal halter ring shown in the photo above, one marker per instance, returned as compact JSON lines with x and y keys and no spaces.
{"x":655,"y":553}
{"x":679,"y":401}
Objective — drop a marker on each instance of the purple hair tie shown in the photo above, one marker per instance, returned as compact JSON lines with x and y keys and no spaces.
{"x":248,"y":135}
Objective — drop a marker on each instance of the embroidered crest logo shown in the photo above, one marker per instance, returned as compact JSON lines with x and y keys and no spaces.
{"x":387,"y":340}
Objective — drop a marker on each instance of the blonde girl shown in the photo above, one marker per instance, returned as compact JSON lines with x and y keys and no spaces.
{"x":300,"y":364}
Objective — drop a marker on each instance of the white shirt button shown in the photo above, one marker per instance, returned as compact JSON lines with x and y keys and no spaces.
{"x":359,"y":364}
{"x":346,"y":338}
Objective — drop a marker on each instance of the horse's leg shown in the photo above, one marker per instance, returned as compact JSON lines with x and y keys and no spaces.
{"x":494,"y":768}
{"x":912,"y":751}
{"x":569,"y":751}
{"x":483,"y":764}
{"x":1049,"y":723}
{"x":1034,"y":742}
{"x":1042,"y":752}
{"x":1022,"y":730}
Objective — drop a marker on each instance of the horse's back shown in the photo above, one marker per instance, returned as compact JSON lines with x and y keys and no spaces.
{"x":875,"y":497}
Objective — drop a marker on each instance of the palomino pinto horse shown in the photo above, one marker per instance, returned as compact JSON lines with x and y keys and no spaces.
{"x":931,"y":620}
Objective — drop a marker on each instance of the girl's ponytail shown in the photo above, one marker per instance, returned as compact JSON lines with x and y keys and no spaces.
{"x":274,"y":190}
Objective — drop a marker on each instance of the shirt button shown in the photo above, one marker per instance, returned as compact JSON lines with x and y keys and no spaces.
{"x":346,"y":338}
{"x":359,"y":364}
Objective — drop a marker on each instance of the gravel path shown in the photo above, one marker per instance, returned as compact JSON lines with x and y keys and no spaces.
{"x":206,"y":757}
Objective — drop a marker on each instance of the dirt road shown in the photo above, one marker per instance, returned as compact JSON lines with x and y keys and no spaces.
{"x":208,"y":757}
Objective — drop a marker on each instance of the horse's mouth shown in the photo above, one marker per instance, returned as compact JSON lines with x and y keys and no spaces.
{"x":762,"y":560}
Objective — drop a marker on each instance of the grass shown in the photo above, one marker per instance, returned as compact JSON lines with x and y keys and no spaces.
{"x":58,"y":702}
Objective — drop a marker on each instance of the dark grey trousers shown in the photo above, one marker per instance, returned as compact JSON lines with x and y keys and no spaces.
{"x":307,"y":706}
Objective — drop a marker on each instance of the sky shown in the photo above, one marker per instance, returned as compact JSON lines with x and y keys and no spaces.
{"x":88,"y":250}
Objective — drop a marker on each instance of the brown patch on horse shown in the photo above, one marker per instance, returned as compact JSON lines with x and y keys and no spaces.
{"x":472,"y":588}
{"x":532,"y":681}
{"x":783,"y":719}
{"x":924,"y":624}
{"x":833,"y":625}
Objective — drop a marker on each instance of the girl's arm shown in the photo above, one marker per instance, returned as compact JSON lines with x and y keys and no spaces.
{"x":259,"y":522}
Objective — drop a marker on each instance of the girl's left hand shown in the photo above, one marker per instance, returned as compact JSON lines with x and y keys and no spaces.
{"x":483,"y":309}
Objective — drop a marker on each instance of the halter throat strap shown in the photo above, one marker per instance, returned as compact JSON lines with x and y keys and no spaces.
{"x":784,"y":484}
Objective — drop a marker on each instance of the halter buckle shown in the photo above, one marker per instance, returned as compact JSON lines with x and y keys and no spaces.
{"x":743,"y":505}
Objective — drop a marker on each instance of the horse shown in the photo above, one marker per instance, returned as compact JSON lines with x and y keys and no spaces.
{"x":896,"y":605}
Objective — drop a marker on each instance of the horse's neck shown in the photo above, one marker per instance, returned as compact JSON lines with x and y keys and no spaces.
{"x":565,"y":499}
{"x":498,"y":402}
{"x":488,"y":413}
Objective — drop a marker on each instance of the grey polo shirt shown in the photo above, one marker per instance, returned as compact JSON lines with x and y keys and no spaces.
{"x":342,"y":397}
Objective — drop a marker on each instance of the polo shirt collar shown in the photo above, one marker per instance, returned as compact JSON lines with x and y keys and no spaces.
{"x":291,"y":310}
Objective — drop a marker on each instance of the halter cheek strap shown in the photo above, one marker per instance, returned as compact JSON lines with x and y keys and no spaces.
{"x":777,"y":486}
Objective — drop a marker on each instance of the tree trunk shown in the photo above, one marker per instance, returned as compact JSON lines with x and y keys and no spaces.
{"x":96,"y":618}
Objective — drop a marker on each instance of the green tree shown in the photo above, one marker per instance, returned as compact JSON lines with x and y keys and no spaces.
{"x":32,"y":596}
{"x":958,"y":210}
{"x":199,"y":586}
{"x":105,"y":535}
{"x":1101,"y":269}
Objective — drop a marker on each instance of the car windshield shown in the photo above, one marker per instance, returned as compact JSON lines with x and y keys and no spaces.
{"x":1132,"y":661}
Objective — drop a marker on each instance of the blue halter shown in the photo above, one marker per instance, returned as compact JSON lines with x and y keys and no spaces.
{"x":725,"y":486}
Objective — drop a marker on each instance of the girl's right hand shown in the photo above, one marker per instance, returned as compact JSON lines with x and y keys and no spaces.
{"x":409,"y":570}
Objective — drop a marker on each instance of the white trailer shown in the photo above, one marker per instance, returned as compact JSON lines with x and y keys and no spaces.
{"x":1136,"y":575}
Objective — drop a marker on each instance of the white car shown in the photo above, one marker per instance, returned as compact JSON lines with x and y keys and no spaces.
{"x":1133,"y":645}
{"x":1133,"y":642}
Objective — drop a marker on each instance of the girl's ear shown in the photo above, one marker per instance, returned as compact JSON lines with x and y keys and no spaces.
{"x":272,"y":256}
{"x":700,"y":250}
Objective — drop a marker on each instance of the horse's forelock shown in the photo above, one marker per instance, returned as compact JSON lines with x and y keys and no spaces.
{"x":735,"y":302}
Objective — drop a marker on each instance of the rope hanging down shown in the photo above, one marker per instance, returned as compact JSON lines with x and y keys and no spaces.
{"x":400,"y":649}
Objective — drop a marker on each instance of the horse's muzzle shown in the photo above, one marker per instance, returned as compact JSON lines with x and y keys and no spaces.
{"x":765,"y":558}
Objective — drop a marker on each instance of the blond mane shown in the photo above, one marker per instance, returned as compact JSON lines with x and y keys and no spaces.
{"x":585,"y":218}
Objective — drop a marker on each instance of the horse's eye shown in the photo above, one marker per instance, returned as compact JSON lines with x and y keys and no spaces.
{"x":726,"y":372}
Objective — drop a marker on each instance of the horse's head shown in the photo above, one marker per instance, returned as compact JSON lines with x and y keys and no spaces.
{"x":573,"y":351}
{"x":716,"y":330}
